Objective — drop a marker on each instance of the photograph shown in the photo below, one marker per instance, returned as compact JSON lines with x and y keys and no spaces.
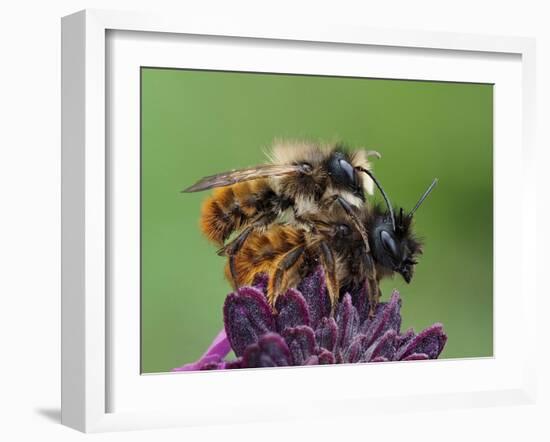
{"x":248,"y":221}
{"x":294,"y":220}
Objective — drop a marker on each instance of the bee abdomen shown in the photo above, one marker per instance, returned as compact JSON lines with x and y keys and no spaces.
{"x":231,"y":208}
{"x":262,"y":252}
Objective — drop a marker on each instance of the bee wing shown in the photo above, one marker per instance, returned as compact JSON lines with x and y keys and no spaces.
{"x":251,"y":173}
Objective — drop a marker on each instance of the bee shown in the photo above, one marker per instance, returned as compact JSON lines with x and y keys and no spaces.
{"x":286,"y":253}
{"x":301,"y":181}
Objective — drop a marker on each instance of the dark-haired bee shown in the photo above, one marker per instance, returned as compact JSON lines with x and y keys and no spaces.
{"x":299,"y":184}
{"x":287,"y":253}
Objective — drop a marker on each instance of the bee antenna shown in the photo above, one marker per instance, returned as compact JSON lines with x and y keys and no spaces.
{"x":390,"y":207}
{"x":422,"y":198}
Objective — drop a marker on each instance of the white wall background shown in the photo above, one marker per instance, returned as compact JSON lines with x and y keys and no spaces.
{"x":30,"y":219}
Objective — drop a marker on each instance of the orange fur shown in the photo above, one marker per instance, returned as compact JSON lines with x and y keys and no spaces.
{"x":262,"y":253}
{"x":230,"y":208}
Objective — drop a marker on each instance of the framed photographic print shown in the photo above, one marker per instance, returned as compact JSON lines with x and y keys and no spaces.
{"x":251,"y":212}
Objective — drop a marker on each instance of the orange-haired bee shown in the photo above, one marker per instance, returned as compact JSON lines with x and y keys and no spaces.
{"x":299,"y":184}
{"x":287,"y":253}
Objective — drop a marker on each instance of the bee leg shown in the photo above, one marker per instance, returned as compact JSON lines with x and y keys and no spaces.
{"x":231,"y":251}
{"x":371,"y":282}
{"x":355,"y":221}
{"x":234,"y":275}
{"x":374,"y":296}
{"x":329,"y":265}
{"x":329,"y":201}
{"x":235,"y":245}
{"x":287,"y":262}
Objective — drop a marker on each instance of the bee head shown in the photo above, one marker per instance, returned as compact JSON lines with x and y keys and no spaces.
{"x":392,"y":240}
{"x":395,"y":249}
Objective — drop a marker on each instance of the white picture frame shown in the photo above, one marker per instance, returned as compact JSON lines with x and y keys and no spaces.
{"x":90,"y":361}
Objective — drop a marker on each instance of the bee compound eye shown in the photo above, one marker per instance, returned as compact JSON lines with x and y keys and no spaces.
{"x":342,"y":172}
{"x":348,"y":170}
{"x":388,"y":242}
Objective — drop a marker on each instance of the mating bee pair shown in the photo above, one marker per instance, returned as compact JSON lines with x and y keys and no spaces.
{"x":308,"y":207}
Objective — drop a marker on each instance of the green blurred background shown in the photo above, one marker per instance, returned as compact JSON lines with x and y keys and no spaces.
{"x":196,"y":123}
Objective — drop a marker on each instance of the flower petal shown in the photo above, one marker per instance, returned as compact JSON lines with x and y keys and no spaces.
{"x":357,"y":348}
{"x":384,"y":347}
{"x":360,"y":298}
{"x":430,"y":341}
{"x":404,"y":338}
{"x":214,"y":366}
{"x":204,"y":361}
{"x":327,"y":334}
{"x":237,"y":363}
{"x":301,"y":343}
{"x":416,"y":357}
{"x":292,"y":310}
{"x":312,"y":360}
{"x":247,"y":316}
{"x":314,"y":290}
{"x":387,"y":317}
{"x":219,"y":349}
{"x":270,"y":351}
{"x":379,"y":359}
{"x":347,"y":320}
{"x":326,"y":357}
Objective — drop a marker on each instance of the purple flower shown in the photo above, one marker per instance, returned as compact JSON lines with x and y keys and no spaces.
{"x":303,"y":331}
